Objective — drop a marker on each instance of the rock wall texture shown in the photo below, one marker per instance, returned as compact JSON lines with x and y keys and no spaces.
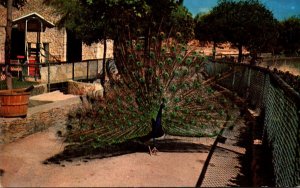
{"x":2,"y":42}
{"x":94,"y":90}
{"x":64,"y":72}
{"x":16,"y":128}
{"x":39,"y":89}
{"x":95,"y":51}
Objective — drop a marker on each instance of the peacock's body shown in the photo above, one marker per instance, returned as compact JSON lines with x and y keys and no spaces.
{"x":166,"y":69}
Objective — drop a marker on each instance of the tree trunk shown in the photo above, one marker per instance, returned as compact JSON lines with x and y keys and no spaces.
{"x":103,"y":76}
{"x":240,"y":47}
{"x":253,"y":55}
{"x":214,"y":50}
{"x":8,"y":29}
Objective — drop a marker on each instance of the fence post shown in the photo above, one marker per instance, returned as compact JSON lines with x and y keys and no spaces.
{"x":248,"y":82}
{"x":263,"y":104}
{"x":233,"y":79}
{"x":48,"y":76}
{"x":73,"y":66}
{"x":249,"y":77}
{"x":35,"y":70}
{"x":97,"y":69}
{"x":87,"y":70}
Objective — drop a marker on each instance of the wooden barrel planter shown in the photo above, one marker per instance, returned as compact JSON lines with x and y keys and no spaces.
{"x":14,"y":103}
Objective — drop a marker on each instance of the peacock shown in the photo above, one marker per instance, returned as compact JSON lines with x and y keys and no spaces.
{"x":157,"y":130}
{"x":162,"y":89}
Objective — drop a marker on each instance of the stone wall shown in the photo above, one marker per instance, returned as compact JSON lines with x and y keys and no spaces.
{"x":95,"y":51}
{"x":63,"y":72}
{"x":94,"y":90}
{"x":39,"y":89}
{"x":2,"y":42}
{"x":15,"y":128}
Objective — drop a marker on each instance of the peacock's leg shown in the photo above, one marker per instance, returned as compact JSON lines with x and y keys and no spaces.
{"x":150,"y":151}
{"x":154,"y":151}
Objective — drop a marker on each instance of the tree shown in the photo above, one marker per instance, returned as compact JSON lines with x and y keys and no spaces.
{"x":90,"y":19}
{"x":243,"y":23}
{"x":9,"y":4}
{"x":15,"y":3}
{"x":182,"y":22}
{"x":208,"y":32}
{"x":289,"y":35}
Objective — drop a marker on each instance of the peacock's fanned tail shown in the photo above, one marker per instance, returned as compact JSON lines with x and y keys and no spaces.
{"x":167,"y":70}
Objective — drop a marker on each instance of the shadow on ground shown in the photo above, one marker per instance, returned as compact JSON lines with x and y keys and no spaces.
{"x":256,"y":165}
{"x":85,"y":153}
{"x":243,"y":179}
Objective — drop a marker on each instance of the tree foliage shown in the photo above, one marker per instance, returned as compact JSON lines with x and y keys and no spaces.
{"x":289,"y":38}
{"x":206,"y":31}
{"x":91,"y":19}
{"x":15,"y":3}
{"x":183,"y":22}
{"x":243,"y":23}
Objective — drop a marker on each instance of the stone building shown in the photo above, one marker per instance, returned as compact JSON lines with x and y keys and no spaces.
{"x":57,"y":44}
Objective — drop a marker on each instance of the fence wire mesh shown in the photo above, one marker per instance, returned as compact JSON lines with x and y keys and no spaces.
{"x":280,"y":106}
{"x":282,"y":124}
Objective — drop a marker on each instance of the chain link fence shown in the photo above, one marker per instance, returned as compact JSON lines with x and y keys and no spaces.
{"x":263,"y":90}
{"x":280,"y":105}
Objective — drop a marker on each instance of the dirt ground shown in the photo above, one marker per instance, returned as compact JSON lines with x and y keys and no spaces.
{"x":22,"y":163}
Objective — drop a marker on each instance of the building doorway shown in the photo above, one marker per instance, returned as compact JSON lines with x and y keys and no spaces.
{"x":74,"y":47}
{"x":17,"y":43}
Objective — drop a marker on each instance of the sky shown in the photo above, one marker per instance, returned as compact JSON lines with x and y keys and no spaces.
{"x":281,"y":8}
